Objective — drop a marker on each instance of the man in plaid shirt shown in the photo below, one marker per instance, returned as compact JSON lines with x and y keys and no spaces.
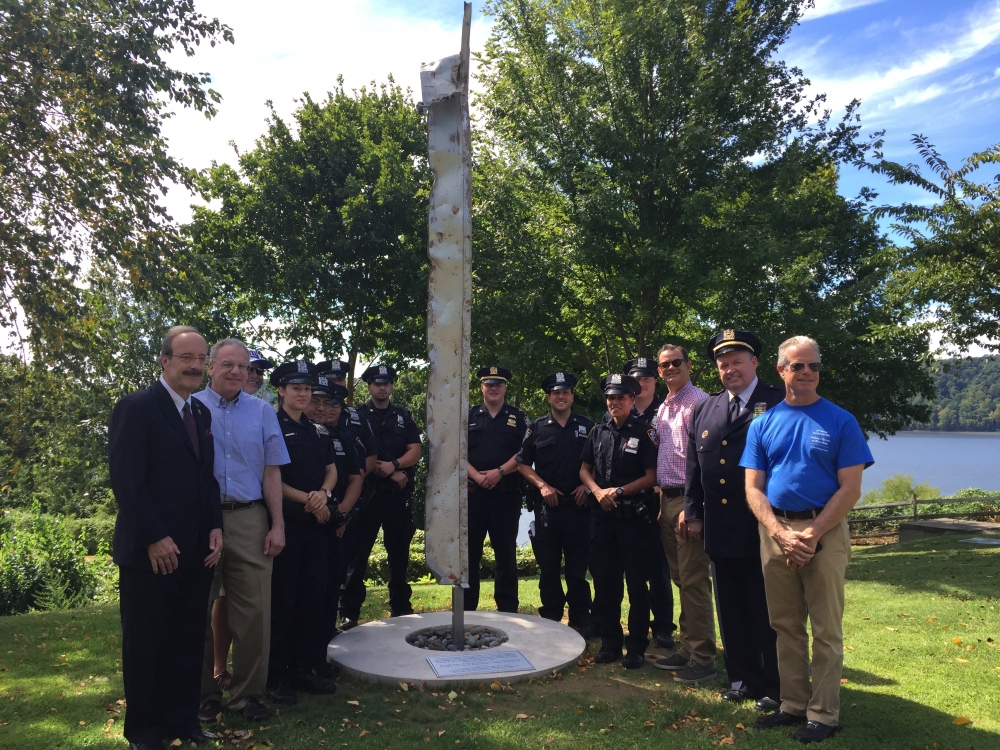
{"x":694,"y":661}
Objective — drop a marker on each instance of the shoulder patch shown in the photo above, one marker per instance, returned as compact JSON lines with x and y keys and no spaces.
{"x":653,"y":436}
{"x":527,"y":434}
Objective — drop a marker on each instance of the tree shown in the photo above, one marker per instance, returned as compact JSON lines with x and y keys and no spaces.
{"x":84,"y":90}
{"x":952,"y":264}
{"x":322,"y":228}
{"x":661,"y":177}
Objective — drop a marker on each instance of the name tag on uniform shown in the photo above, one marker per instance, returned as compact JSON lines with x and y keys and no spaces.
{"x":632,"y":445}
{"x":289,"y":434}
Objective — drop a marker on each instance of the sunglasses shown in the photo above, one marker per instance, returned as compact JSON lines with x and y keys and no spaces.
{"x":668,"y":363}
{"x":800,"y":366}
{"x":256,"y":370}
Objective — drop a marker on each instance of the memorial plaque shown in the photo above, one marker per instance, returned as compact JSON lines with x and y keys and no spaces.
{"x":992,"y":541}
{"x":478,"y":663}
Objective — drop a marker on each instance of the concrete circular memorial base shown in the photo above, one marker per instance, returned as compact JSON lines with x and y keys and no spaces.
{"x":378,"y":652}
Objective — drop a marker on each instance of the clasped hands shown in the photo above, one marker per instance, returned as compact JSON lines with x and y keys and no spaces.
{"x":388,"y":470}
{"x":163,"y":554}
{"x":316,"y":504}
{"x":486,"y":479}
{"x":551,"y":495}
{"x":799,"y":546}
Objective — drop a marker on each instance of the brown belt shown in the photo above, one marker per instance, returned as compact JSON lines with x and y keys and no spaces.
{"x":236,"y":505}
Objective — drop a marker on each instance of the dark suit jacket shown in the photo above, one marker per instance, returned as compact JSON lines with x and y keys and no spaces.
{"x":714,"y":487}
{"x":162,"y":488}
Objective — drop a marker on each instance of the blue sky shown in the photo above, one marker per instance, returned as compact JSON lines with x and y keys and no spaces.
{"x":919,"y":66}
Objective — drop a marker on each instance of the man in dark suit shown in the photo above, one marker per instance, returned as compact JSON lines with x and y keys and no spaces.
{"x":716,"y":509}
{"x":168,"y":536}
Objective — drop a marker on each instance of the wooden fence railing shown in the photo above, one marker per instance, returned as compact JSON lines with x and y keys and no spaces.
{"x":913,"y":515}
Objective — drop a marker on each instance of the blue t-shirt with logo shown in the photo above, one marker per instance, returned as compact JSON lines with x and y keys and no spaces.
{"x":801,"y":448}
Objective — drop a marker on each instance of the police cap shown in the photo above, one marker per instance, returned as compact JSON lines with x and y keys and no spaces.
{"x":733,"y":341}
{"x":620,"y":384}
{"x":558,"y":381}
{"x":258,"y":360}
{"x":297,"y":371}
{"x":333,"y":369}
{"x":322,"y":387}
{"x":493,"y":375}
{"x":338,"y":394}
{"x":379,"y":374}
{"x":640,"y":367}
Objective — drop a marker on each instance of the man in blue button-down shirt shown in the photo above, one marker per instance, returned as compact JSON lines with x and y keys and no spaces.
{"x":249,"y":449}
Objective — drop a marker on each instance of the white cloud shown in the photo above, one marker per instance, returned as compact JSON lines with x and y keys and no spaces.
{"x":918,"y":96}
{"x":283,"y":50}
{"x":830,"y":7}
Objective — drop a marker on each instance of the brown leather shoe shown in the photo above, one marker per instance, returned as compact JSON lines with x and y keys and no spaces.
{"x":209,"y":711}
{"x":255,"y":711}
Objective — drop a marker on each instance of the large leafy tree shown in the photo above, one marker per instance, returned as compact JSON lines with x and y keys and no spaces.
{"x":319,"y":236}
{"x":675,"y":181}
{"x":84,"y":89}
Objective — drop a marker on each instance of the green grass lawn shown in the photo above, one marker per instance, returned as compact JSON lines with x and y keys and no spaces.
{"x":921,"y":629}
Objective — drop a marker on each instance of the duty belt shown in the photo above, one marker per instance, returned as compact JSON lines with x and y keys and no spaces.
{"x":239,"y":504}
{"x":797,"y":515}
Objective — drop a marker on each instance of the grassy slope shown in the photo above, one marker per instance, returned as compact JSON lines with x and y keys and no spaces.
{"x":907,"y":679}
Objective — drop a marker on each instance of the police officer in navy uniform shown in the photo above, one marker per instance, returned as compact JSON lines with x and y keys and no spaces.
{"x":385,"y":502}
{"x":496,"y":430}
{"x":549,"y":461}
{"x":350,"y":421}
{"x":619,"y":468}
{"x":715,"y":509}
{"x":661,"y":597}
{"x":326,"y":400}
{"x":299,"y":575}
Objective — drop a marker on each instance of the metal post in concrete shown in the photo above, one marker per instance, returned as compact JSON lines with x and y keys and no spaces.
{"x":457,"y":615}
{"x":444,"y":89}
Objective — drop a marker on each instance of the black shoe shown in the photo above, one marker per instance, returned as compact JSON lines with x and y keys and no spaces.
{"x":326,"y":670}
{"x":606,"y":657}
{"x":665,"y":640}
{"x":633,"y":660}
{"x":736,"y":696}
{"x":779,"y":719}
{"x":588,"y":631}
{"x":813,"y":731}
{"x":313,"y":683}
{"x":347,"y":623}
{"x":768,"y":704}
{"x":695,"y":674}
{"x":154,"y":745}
{"x":672,"y":663}
{"x":255,"y":711}
{"x":196,"y":736}
{"x":282,"y":693}
{"x":403,"y":612}
{"x":209,"y":711}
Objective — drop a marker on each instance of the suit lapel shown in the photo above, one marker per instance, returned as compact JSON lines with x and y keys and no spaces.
{"x":746,"y":416}
{"x":173,"y":417}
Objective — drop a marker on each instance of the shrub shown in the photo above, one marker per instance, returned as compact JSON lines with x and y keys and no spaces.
{"x":42,"y":566}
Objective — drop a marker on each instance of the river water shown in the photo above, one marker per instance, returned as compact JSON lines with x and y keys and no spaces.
{"x":950,"y":461}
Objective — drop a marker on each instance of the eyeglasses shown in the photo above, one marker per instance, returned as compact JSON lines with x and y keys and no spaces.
{"x":231,"y":365}
{"x":800,"y":366}
{"x":256,"y":370}
{"x":189,"y":358}
{"x":668,"y":363}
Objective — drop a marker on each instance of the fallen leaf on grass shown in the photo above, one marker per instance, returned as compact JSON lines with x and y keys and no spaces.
{"x":322,"y":730}
{"x":740,"y":726}
{"x":363,"y":733}
{"x":176,"y":742}
{"x":931,"y":619}
{"x":649,"y":724}
{"x":894,"y":630}
{"x":441,"y":733}
{"x":405,"y":686}
{"x":521,"y":716}
{"x":964,"y":661}
{"x":605,"y":731}
{"x":956,"y":640}
{"x":495,"y":686}
{"x":843,"y":680}
{"x":452,"y":695}
{"x":353,"y":703}
{"x":960,"y":720}
{"x":730,"y":740}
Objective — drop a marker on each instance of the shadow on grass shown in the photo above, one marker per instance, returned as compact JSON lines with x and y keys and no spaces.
{"x":861,"y":677}
{"x":945,"y":566}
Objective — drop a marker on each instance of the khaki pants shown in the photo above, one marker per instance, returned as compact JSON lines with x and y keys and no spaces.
{"x":690,"y":572}
{"x":817,"y":592}
{"x":245,"y":571}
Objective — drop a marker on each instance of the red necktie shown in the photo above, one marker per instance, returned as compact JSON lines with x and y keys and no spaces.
{"x":192,"y":429}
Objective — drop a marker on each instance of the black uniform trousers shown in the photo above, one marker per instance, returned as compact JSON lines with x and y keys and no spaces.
{"x":661,"y":596}
{"x":621,"y":546}
{"x":497,"y":514}
{"x":335,"y":579}
{"x":748,"y":640}
{"x":389,"y":511}
{"x":298,"y":586}
{"x":563,"y":530}
{"x":163,"y":639}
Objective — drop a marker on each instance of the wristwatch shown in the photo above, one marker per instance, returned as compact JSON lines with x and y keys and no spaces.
{"x":329,"y":494}
{"x":619,"y":491}
{"x":502,"y":472}
{"x":395,"y":464}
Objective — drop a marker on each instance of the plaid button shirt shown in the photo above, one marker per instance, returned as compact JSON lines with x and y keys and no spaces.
{"x":673,"y":420}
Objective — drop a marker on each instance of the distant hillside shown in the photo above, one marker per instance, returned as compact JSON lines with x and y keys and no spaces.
{"x":968,"y":395}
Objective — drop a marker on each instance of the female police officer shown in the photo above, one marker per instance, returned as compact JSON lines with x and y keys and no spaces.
{"x":619,"y":468}
{"x":300,"y":571}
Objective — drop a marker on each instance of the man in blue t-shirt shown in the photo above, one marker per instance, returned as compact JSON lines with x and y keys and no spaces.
{"x":803,"y":461}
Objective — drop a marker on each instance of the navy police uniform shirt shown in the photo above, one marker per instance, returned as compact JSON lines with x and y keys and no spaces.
{"x":555,"y":451}
{"x":493,"y":440}
{"x":620,"y":455}
{"x":392,"y":427}
{"x":353,"y":425}
{"x":346,"y":458}
{"x":309,"y":452}
{"x":647,"y":417}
